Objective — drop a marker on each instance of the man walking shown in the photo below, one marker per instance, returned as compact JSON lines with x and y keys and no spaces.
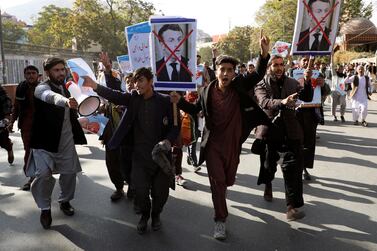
{"x":230,"y":114}
{"x":23,"y":110}
{"x":54,"y":133}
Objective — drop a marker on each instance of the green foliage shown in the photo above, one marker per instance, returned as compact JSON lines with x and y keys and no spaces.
{"x":237,"y":43}
{"x":89,"y":22}
{"x":355,"y":8}
{"x":206,"y":54}
{"x":13,"y":31}
{"x":277,"y":19}
{"x":53,"y":27}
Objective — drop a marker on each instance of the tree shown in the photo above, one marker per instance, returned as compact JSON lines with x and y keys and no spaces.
{"x":90,"y":21}
{"x":277,"y":19}
{"x":237,"y":43}
{"x":53,"y":28}
{"x":355,"y":8}
{"x":13,"y":30}
{"x":206,"y":54}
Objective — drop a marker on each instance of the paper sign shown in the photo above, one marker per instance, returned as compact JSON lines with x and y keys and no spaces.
{"x":281,"y":48}
{"x":124,"y":64}
{"x":138,"y":41}
{"x":93,"y":123}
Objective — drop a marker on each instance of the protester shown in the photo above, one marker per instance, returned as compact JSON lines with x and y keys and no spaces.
{"x":277,"y":95}
{"x":338,"y":97}
{"x":229,"y":117}
{"x":5,"y":112}
{"x":147,"y":123}
{"x":114,"y":113}
{"x":359,"y":95}
{"x":53,"y":140}
{"x":23,"y":110}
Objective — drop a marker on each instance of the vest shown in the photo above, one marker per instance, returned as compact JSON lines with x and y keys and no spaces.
{"x":48,"y":122}
{"x":356,"y":83}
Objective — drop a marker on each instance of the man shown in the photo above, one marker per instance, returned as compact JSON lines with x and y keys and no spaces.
{"x":23,"y":110}
{"x":172,"y":35}
{"x":243,"y":70}
{"x":359,"y":95}
{"x":229,"y":117}
{"x":5,"y":112}
{"x":55,"y":131}
{"x":338,"y":96}
{"x":113,"y":112}
{"x":277,"y":95}
{"x":211,"y":73}
{"x":148,"y":122}
{"x":315,"y":40}
{"x":250,"y":67}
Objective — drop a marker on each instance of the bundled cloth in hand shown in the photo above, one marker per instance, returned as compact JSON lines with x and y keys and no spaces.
{"x":160,"y":154}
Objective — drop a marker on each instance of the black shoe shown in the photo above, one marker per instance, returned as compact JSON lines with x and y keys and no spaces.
{"x":156,"y":223}
{"x":130,"y":193}
{"x":189,"y":161}
{"x":336,"y":119}
{"x":67,"y":208}
{"x":307,"y":175}
{"x":46,"y":219}
{"x":117,"y":195}
{"x":142,"y":225}
{"x":364,"y":123}
{"x":137,"y":209}
{"x":268,"y":192}
{"x":356,"y":123}
{"x":342,"y":119}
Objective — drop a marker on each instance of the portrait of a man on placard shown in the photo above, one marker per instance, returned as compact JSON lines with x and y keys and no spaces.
{"x":172,"y":66}
{"x":316,"y":25}
{"x":316,"y":41}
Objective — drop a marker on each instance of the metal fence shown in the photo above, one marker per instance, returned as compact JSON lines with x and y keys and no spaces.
{"x":18,"y":56}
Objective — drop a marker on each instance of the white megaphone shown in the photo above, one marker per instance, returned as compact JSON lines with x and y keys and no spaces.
{"x":87,"y":104}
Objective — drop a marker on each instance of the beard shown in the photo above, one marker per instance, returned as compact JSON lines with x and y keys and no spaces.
{"x":57,"y":81}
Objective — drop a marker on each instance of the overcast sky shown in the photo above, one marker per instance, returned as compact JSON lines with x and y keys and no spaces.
{"x":214,"y":16}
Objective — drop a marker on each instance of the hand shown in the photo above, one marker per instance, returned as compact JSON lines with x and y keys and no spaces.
{"x":104,"y":58}
{"x":165,"y":145}
{"x":10,"y":127}
{"x":290,"y":101}
{"x":174,"y":97}
{"x":89,"y":82}
{"x":72,"y":103}
{"x":264,"y":44}
{"x":214,"y":52}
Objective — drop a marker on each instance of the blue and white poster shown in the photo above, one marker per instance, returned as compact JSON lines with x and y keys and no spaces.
{"x":124,"y":64}
{"x":138,"y":37}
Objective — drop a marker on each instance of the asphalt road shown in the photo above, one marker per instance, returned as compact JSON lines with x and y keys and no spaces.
{"x":340,"y":204}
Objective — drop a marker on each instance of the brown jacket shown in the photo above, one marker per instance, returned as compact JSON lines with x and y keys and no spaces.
{"x":269,"y":96}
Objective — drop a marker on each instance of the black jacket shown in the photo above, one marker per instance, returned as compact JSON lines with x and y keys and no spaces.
{"x":183,"y":75}
{"x":48,"y":123}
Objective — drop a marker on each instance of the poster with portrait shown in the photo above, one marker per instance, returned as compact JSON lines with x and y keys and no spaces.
{"x":316,"y":27}
{"x":298,"y":74}
{"x":124,"y":64}
{"x":138,"y":37}
{"x":94,"y":123}
{"x":173,"y":53}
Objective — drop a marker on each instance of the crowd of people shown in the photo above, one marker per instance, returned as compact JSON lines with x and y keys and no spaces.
{"x":145,"y":135}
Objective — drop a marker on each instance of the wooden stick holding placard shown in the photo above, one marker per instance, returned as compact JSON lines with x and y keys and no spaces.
{"x":175,"y":112}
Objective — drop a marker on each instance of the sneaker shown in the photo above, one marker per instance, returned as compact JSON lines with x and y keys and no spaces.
{"x":364,"y":123}
{"x":356,"y":122}
{"x":117,"y":195}
{"x":335,"y":119}
{"x":342,"y":118}
{"x":180,"y":180}
{"x":294,"y":214}
{"x":220,"y":231}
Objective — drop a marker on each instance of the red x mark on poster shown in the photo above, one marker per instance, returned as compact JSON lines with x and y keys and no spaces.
{"x":318,"y":22}
{"x":172,"y":52}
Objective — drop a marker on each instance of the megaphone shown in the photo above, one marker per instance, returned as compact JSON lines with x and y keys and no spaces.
{"x":87,"y":104}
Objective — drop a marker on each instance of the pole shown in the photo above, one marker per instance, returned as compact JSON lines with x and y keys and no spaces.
{"x":2,"y":51}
